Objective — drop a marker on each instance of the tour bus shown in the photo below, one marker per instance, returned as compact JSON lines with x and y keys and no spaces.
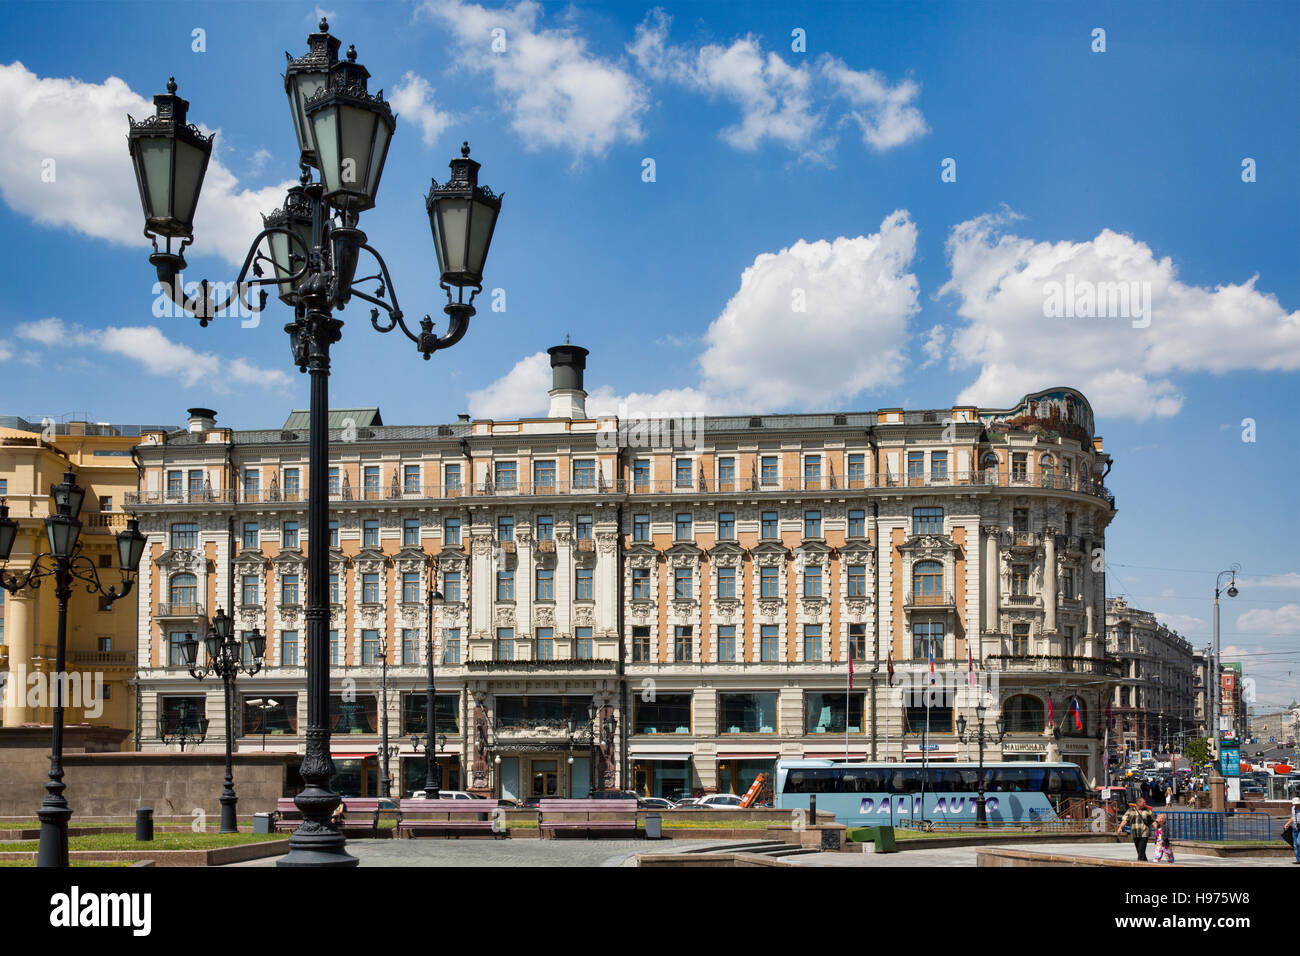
{"x":886,"y":794}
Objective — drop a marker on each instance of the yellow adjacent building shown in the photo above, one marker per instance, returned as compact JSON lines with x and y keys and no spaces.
{"x":100,"y":642}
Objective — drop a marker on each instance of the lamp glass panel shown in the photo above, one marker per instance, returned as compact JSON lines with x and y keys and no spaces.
{"x":377,"y":156}
{"x":213,"y":644}
{"x":76,"y":497}
{"x":191,"y":163}
{"x":452,"y":213}
{"x":324,"y":131}
{"x":8,"y":532}
{"x":305,"y":86}
{"x":358,"y":127}
{"x":124,"y":548}
{"x":62,"y":536}
{"x":480,"y":235}
{"x":156,"y":162}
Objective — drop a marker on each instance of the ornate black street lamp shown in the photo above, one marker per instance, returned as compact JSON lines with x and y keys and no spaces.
{"x":432,"y":769}
{"x":343,"y":131}
{"x":184,"y":726}
{"x":981,"y":813}
{"x":225,"y":659}
{"x":65,"y":563}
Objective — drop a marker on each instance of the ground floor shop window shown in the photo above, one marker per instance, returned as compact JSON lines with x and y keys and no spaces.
{"x":413,"y":774}
{"x":738,"y":775}
{"x":666,"y":714}
{"x":669,"y":779}
{"x":826,"y":712}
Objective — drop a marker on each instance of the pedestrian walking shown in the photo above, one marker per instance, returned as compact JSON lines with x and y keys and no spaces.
{"x":1294,"y":826}
{"x":1139,"y":820}
{"x":1164,"y":844}
{"x":1169,"y":796}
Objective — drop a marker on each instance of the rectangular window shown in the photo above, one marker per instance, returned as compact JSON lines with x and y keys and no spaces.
{"x":411,"y":587}
{"x":927,"y":635}
{"x":683,"y":526}
{"x":640,"y":644}
{"x":185,"y":536}
{"x":663,"y":714}
{"x":451,"y":586}
{"x":857,"y":523}
{"x":857,"y":580}
{"x":768,"y":651}
{"x":451,"y":646}
{"x":370,"y":481}
{"x":1069,"y":524}
{"x":334,"y":534}
{"x":858,"y":641}
{"x":938,"y":466}
{"x":770,"y":526}
{"x":250,"y":534}
{"x":747,"y":713}
{"x":371,"y":651}
{"x":582,"y":528}
{"x":505,"y":643}
{"x":812,"y":642}
{"x":332,"y":481}
{"x":410,"y":645}
{"x":250,"y":590}
{"x":640,"y":584}
{"x":544,"y":474}
{"x":451,"y":477}
{"x":451,"y":532}
{"x":641,"y":528}
{"x":505,"y":585}
{"x":927,"y":520}
{"x":545,"y":584}
{"x":769,"y":582}
{"x":857,"y":475}
{"x":411,"y":533}
{"x":105,"y":502}
{"x":336,"y":650}
{"x":727,"y":644}
{"x":835,"y":712}
{"x":252,"y":484}
{"x":370,"y":587}
{"x":726,"y":474}
{"x":1020,"y":640}
{"x":682,"y":583}
{"x":289,"y":534}
{"x":936,"y":719}
{"x":196,"y":483}
{"x":682,"y":637}
{"x":411,"y":479}
{"x":546,"y":643}
{"x":812,"y":471}
{"x":726,"y":526}
{"x":1067,"y":583}
{"x":915,"y":465}
{"x":583,"y":582}
{"x":289,"y":589}
{"x":175,"y":483}
{"x":682,"y":472}
{"x":1020,"y":580}
{"x":1020,"y":520}
{"x":584,"y":473}
{"x":334,"y":589}
{"x":176,"y":653}
{"x":768,"y":470}
{"x":726,"y":582}
{"x":370,"y":533}
{"x":507,"y":475}
{"x":583,"y":646}
{"x":812,"y":524}
{"x":545,"y":528}
{"x":641,"y":474}
{"x":812,"y":580}
{"x":1020,"y":466}
{"x":288,"y":648}
{"x":292,"y":484}
{"x":505,"y":528}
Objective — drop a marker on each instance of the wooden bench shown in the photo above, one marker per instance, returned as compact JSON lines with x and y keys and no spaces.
{"x":449,"y":818}
{"x":589,"y":816}
{"x":287,"y":814}
{"x":359,"y":813}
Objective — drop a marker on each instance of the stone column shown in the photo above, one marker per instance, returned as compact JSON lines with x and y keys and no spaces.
{"x":1049,"y":580}
{"x":20,"y":639}
{"x":482,"y":584}
{"x":992,"y":599}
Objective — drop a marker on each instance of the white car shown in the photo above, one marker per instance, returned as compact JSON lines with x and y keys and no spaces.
{"x":719,"y":801}
{"x":447,"y":795}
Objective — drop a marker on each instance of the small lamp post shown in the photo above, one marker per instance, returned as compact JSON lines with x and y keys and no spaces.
{"x":225,"y":659}
{"x":66,"y":564}
{"x":432,"y":770}
{"x":981,"y":811}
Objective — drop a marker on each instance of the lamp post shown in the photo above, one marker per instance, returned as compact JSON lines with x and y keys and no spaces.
{"x":343,"y":131}
{"x":432,"y":771}
{"x":384,"y":754}
{"x":981,"y":811}
{"x":264,"y":704}
{"x":1217,"y":784}
{"x":183,"y":727}
{"x":66,"y":564}
{"x":423,"y":743}
{"x":225,"y":659}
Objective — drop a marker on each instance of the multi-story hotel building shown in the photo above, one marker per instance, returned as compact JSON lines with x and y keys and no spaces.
{"x":101,"y":637}
{"x":1154,"y":705}
{"x":668,"y":606}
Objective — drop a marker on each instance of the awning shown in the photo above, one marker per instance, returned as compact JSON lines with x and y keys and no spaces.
{"x":667,"y":758}
{"x":748,"y":756}
{"x":914,"y":757}
{"x":353,"y":756}
{"x":837,"y":755}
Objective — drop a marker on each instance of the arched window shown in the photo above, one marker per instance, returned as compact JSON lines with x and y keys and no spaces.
{"x":184,"y":589}
{"x":990,"y":466}
{"x":1024,"y":714}
{"x":1047,"y":469}
{"x":927,"y":580}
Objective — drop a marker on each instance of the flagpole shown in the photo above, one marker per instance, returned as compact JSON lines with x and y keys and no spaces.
{"x":848,"y":704}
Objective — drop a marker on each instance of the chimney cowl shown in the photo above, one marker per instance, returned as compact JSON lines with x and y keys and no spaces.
{"x":568,"y":399}
{"x":201,"y":419}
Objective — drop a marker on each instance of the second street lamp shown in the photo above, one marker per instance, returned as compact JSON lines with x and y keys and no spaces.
{"x":225,"y":659}
{"x":344,"y":131}
{"x":981,"y":808}
{"x":432,"y":770}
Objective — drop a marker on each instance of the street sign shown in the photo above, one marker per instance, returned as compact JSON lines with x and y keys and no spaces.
{"x":1231,"y":762}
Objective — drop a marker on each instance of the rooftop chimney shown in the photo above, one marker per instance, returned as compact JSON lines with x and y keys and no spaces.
{"x":201,"y":419}
{"x":568,"y":400}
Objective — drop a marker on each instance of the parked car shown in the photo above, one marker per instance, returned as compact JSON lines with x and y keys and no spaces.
{"x":613,"y":795}
{"x":655,"y":803}
{"x":720,"y":801}
{"x":449,"y":795}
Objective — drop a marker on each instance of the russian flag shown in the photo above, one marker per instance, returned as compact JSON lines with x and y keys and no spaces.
{"x":1078,"y":719}
{"x":931,"y":662}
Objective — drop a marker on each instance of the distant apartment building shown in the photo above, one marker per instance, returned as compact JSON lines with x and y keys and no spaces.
{"x":665,"y":606}
{"x":1154,"y":703}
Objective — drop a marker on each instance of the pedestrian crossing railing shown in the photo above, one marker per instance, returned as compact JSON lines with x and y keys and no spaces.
{"x":1217,"y":826}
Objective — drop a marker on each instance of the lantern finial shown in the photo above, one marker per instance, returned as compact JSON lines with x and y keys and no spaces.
{"x":171,"y":84}
{"x":324,"y":25}
{"x":464,"y":149}
{"x":352,"y":53}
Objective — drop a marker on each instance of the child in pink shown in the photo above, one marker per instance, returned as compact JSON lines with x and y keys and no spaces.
{"x":1164,"y":845}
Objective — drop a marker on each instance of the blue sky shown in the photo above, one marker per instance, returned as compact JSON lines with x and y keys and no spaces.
{"x":774,"y":170}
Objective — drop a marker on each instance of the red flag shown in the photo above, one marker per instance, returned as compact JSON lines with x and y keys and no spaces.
{"x":1051,"y":712}
{"x":890,"y":681}
{"x":970,"y":666}
{"x":850,"y":667}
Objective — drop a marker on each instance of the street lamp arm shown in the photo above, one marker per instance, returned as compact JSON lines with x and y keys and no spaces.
{"x":204,"y":306}
{"x":43,"y":565}
{"x":83,"y":569}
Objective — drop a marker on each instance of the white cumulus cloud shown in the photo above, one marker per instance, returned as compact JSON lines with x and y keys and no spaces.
{"x":1282,"y":620}
{"x":413,"y":99}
